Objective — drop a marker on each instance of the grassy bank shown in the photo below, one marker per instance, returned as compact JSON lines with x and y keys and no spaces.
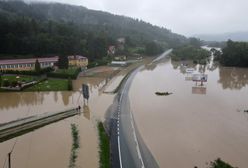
{"x":71,"y":72}
{"x":104,"y":151}
{"x":50,"y":85}
{"x":75,"y":145}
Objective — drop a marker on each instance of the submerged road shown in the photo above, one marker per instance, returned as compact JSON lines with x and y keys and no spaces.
{"x":127,"y":147}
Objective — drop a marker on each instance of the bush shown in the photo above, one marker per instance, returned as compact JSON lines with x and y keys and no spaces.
{"x":69,"y":84}
{"x":219,"y":164}
{"x":64,"y":75}
{"x":6,"y":83}
{"x":14,"y":83}
{"x":42,"y":71}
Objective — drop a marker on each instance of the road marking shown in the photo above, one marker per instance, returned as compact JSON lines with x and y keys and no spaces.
{"x":119,"y":150}
{"x":137,"y":143}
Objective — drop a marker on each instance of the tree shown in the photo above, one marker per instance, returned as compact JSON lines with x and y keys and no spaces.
{"x":235,"y":54}
{"x":63,"y":62}
{"x":152,"y":48}
{"x":195,"y":42}
{"x":37,"y":66}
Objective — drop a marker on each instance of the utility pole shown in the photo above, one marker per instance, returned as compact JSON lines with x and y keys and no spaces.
{"x":9,"y":159}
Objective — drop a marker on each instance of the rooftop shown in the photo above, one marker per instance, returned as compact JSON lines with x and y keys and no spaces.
{"x":76,"y":57}
{"x":28,"y":60}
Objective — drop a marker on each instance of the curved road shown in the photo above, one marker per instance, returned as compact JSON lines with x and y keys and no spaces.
{"x":127,"y":147}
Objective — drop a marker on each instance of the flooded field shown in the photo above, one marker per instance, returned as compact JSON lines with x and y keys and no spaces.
{"x":51,"y":145}
{"x":196,"y":124}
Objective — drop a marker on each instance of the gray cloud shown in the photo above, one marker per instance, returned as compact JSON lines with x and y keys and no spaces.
{"x":182,"y":16}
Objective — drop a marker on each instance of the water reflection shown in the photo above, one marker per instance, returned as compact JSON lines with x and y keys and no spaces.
{"x":86,"y":111}
{"x":229,"y":78}
{"x":233,"y":78}
{"x":66,"y":97}
{"x":15,"y":99}
{"x":199,"y":90}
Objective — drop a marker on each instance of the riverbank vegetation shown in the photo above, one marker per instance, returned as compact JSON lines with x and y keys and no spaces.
{"x":218,"y":163}
{"x":234,"y":54}
{"x":104,"y":151}
{"x":75,"y":145}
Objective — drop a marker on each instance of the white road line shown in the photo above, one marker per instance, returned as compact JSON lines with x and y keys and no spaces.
{"x":137,"y":143}
{"x":119,"y":150}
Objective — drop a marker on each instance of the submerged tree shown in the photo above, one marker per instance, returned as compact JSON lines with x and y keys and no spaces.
{"x":218,"y":163}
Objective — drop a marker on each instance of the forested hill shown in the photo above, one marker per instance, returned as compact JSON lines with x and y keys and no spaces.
{"x":48,"y":28}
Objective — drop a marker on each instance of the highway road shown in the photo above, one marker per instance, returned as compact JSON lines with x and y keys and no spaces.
{"x":128,"y":150}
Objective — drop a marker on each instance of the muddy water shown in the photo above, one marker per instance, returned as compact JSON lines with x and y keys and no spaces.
{"x":51,"y":146}
{"x":196,"y":124}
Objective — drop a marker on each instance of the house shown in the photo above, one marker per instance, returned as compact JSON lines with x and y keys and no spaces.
{"x":78,"y":61}
{"x":111,"y":50}
{"x":27,"y":64}
{"x":121,"y":40}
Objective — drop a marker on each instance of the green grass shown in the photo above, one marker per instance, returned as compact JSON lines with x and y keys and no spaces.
{"x":22,"y":78}
{"x":50,"y":85}
{"x":69,"y":71}
{"x":104,"y":151}
{"x":75,"y":145}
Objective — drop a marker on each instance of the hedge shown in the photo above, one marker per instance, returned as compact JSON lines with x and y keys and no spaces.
{"x":64,"y":75}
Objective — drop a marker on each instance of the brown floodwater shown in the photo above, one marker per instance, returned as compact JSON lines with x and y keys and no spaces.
{"x":51,"y":145}
{"x":196,"y":124}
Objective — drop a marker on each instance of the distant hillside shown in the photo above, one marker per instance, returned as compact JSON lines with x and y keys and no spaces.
{"x":46,"y":25}
{"x":235,"y":36}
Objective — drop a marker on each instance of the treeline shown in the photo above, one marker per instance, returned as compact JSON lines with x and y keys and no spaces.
{"x":50,"y":28}
{"x":234,"y":54}
{"x":21,"y":35}
{"x":192,"y":51}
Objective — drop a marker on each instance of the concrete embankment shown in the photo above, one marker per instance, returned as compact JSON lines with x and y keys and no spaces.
{"x":22,"y":126}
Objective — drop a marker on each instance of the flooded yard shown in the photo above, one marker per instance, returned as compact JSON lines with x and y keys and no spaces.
{"x":51,"y":145}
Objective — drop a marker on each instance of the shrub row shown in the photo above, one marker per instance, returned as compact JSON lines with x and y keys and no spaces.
{"x":42,"y":71}
{"x":64,"y":75}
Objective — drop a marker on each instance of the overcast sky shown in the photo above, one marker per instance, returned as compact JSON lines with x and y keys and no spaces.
{"x":186,"y":17}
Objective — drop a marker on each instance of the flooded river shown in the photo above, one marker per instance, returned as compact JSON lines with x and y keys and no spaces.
{"x":51,"y":145}
{"x":196,"y":124}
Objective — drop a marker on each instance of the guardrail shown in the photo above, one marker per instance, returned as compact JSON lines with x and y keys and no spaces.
{"x":22,"y":126}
